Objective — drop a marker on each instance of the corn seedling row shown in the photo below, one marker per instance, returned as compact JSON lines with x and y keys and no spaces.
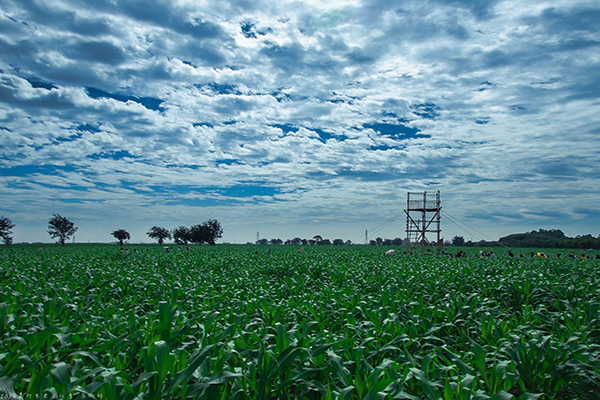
{"x":236,"y":322}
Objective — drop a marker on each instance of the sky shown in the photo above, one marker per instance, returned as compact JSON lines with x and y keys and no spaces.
{"x":299,"y":118}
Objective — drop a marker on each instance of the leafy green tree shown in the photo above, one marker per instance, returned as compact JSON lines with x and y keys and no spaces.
{"x":553,"y":238}
{"x":397,"y":242}
{"x":5,"y":229}
{"x":181,"y":235}
{"x":121,"y":235}
{"x":61,"y":227}
{"x":458,"y":241}
{"x":159,"y":233}
{"x":215,"y":230}
{"x":206,"y":232}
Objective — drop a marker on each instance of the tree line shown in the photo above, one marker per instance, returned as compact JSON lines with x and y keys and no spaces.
{"x":63,"y":228}
{"x":206,"y":232}
{"x":209,"y":231}
{"x":320,"y":241}
{"x":542,"y":238}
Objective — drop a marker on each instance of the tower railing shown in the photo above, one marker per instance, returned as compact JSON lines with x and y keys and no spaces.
{"x":423,"y":214}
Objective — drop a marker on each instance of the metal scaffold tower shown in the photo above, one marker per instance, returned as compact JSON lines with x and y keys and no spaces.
{"x":423,"y":214}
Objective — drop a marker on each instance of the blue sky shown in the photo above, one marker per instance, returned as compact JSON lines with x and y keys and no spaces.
{"x":298,"y":118}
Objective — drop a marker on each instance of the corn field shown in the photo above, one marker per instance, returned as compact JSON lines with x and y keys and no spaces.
{"x":326,"y":322}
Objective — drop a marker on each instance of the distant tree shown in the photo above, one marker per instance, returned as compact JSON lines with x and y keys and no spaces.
{"x":262,"y":241}
{"x":215,"y":231}
{"x":296,"y":241}
{"x":348,"y":242}
{"x":379,"y":241}
{"x":159,"y":233}
{"x":324,"y":242}
{"x":304,"y":242}
{"x":338,"y":242}
{"x":181,"y":235}
{"x":276,"y":241}
{"x":5,"y":229}
{"x":397,"y":242}
{"x":458,"y":241}
{"x":198,"y":233}
{"x":206,"y":232}
{"x":61,"y":227}
{"x":585,"y":242}
{"x":121,"y":235}
{"x":317,"y":238}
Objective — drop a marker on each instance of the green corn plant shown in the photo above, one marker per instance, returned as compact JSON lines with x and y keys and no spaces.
{"x":7,"y":389}
{"x":541,"y":365}
{"x":327,"y":322}
{"x":496,"y":375}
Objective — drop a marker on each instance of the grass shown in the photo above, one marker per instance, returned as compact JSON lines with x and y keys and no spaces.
{"x":236,"y":322}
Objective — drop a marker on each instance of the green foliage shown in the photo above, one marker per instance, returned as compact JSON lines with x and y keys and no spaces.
{"x":5,"y":229}
{"x":159,"y":233}
{"x":61,"y":227}
{"x":121,"y":235}
{"x":458,"y":241}
{"x":553,"y":238}
{"x":206,"y":232}
{"x":332,"y":322}
{"x":181,"y":235}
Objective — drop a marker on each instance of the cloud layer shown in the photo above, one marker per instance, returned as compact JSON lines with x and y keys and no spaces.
{"x":298,"y":118}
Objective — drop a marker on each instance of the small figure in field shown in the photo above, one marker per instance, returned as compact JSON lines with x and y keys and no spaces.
{"x":510,"y":254}
{"x":389,"y":252}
